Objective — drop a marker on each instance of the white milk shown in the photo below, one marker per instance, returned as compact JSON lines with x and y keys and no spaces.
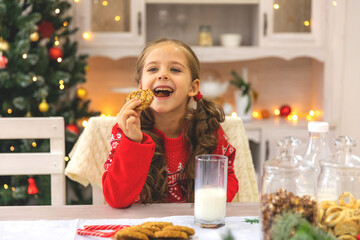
{"x":210,"y":204}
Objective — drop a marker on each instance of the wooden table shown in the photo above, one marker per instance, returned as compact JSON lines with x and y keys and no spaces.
{"x":107,"y":212}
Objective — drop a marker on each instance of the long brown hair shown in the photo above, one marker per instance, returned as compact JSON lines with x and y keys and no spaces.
{"x":200,"y":128}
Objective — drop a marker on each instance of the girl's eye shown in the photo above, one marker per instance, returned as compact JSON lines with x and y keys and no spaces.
{"x":152,"y":69}
{"x":175,"y":70}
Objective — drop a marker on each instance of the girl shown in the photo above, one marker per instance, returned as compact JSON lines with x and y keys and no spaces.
{"x":153,"y":151}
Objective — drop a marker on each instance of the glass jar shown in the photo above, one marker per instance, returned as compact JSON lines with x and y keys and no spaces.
{"x":288,"y":184}
{"x":318,"y":147}
{"x":205,"y":36}
{"x":339,"y":188}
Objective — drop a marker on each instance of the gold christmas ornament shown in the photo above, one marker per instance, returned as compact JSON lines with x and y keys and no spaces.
{"x":43,"y":106}
{"x":34,"y":37}
{"x":81,"y":93}
{"x":4,"y":45}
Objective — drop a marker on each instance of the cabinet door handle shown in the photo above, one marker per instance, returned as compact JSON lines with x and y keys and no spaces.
{"x":139,"y":23}
{"x":265,"y":24}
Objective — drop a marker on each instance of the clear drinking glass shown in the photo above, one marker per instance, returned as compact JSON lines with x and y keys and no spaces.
{"x":210,"y":190}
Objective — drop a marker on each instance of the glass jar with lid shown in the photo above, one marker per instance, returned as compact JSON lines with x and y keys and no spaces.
{"x":339,"y":188}
{"x":288,"y":184}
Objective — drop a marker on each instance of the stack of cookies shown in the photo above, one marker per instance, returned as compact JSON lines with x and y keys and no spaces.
{"x":155,"y":230}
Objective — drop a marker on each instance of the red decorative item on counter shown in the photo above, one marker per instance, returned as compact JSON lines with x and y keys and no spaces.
{"x":285,"y":111}
{"x":93,"y":230}
{"x":46,"y":29}
{"x":55,"y":53}
{"x":358,"y":237}
{"x":32,"y":188}
{"x":73,"y":128}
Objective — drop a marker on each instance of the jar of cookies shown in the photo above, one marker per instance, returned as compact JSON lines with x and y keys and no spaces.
{"x":339,"y":191}
{"x":288,"y":184}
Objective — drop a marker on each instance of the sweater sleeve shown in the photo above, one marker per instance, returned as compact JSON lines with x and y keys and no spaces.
{"x":224,"y":148}
{"x":126,"y":168}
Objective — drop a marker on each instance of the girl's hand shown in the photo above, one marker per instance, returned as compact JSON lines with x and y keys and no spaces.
{"x":129,"y":120}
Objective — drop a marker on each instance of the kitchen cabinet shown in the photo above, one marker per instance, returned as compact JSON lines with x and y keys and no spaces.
{"x":295,"y":23}
{"x":145,"y":20}
{"x":109,"y":25}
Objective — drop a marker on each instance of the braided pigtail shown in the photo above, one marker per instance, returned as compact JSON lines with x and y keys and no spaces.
{"x":155,"y":187}
{"x":200,"y":132}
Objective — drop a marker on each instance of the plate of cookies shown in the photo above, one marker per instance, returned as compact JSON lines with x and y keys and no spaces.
{"x":155,"y":230}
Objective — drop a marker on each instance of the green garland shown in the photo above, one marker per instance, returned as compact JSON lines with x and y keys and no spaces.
{"x":293,"y":226}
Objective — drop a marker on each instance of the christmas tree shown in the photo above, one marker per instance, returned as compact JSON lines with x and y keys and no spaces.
{"x":40,"y":75}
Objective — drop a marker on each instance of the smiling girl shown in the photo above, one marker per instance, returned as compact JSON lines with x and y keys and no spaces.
{"x":153,"y":151}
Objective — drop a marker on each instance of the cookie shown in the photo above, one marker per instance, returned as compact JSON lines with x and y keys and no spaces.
{"x":142,"y":229}
{"x":167,"y":234}
{"x":189,"y":231}
{"x":145,"y":96}
{"x":160,"y":225}
{"x":125,"y":234}
{"x":346,"y":227}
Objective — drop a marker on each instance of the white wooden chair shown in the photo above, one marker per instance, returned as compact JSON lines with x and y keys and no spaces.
{"x":92,"y":148}
{"x":37,"y":163}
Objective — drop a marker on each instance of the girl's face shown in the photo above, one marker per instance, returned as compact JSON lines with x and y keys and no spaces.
{"x":167,"y":74}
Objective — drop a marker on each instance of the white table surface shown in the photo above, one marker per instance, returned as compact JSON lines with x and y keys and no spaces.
{"x":48,"y":222}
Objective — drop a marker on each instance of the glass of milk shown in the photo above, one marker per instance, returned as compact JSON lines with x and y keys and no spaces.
{"x":210,"y":190}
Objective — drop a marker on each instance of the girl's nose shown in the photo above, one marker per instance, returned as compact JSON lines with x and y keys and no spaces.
{"x":163,"y":76}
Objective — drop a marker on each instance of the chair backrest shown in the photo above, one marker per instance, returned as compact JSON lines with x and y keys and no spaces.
{"x":93,"y":146}
{"x":37,"y":163}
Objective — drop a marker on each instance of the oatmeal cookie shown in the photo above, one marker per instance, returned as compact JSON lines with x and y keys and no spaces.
{"x":145,"y":96}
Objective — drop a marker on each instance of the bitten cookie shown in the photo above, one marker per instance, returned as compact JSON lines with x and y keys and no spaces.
{"x":145,"y":96}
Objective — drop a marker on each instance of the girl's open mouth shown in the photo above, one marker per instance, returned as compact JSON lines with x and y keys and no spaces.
{"x":163,"y":92}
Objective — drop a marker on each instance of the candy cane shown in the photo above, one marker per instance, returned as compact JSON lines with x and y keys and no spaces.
{"x":105,"y":227}
{"x":96,"y":233}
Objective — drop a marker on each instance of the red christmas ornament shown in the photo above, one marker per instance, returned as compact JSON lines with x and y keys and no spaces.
{"x":3,"y":61}
{"x":72,"y":128}
{"x":46,"y":29}
{"x":32,"y":189}
{"x":55,"y":53}
{"x":285,"y":111}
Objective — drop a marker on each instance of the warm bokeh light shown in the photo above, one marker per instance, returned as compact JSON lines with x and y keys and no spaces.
{"x":12,"y":148}
{"x":61,"y":82}
{"x":105,"y":3}
{"x":57,"y":43}
{"x":9,"y":111}
{"x":62,"y":86}
{"x":57,"y":11}
{"x":66,"y":158}
{"x":234,"y":114}
{"x":13,"y":189}
{"x":84,"y":123}
{"x":117,"y":18}
{"x":34,"y":78}
{"x":294,"y":117}
{"x":277,"y":112}
{"x":34,"y":144}
{"x":276,"y":6}
{"x":308,"y":117}
{"x":256,"y":114}
{"x":65,"y":23}
{"x":59,"y":59}
{"x":102,"y":115}
{"x":307,"y":23}
{"x":86,"y":35}
{"x":24,"y":56}
{"x":312,"y":113}
{"x":76,"y":1}
{"x":334,"y":3}
{"x":6,"y":186}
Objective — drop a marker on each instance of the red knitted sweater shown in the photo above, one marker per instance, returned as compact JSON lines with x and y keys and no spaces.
{"x":127,"y":167}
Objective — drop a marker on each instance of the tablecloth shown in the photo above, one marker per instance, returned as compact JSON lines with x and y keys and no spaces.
{"x":66,"y":229}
